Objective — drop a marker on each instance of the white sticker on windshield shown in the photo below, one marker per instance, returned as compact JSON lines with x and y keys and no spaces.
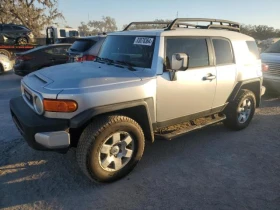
{"x":143,"y":41}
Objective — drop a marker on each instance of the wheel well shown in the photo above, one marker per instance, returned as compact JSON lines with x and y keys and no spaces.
{"x":255,"y":88}
{"x":138,"y":113}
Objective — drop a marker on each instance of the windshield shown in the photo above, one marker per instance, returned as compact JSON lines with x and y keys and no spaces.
{"x":136,"y":50}
{"x":275,"y":48}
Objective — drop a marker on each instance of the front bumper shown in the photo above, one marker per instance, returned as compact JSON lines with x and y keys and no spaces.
{"x":40,"y":133}
{"x":272,"y":83}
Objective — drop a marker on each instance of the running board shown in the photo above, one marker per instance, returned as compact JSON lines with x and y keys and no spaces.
{"x":183,"y":128}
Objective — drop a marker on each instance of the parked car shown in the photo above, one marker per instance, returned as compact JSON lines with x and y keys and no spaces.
{"x":85,"y":49}
{"x":15,"y":34}
{"x":40,"y":57}
{"x":5,"y":63}
{"x":69,"y":40}
{"x":271,"y":62}
{"x":164,"y":82}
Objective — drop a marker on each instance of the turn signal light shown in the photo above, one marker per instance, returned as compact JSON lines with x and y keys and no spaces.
{"x":265,"y":67}
{"x":51,"y":105}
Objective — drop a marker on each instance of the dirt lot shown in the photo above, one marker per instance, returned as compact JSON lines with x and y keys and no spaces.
{"x":213,"y":168}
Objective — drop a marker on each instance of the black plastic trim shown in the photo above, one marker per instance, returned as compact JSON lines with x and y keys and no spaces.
{"x":188,"y":117}
{"x":81,"y":119}
{"x":29,"y":123}
{"x":239,"y":85}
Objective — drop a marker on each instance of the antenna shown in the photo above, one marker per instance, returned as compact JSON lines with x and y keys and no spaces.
{"x":177,"y":14}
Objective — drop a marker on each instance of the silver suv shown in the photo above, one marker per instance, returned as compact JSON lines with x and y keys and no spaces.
{"x":144,"y":83}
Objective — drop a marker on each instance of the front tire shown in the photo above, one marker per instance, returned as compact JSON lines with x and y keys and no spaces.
{"x":22,"y":41}
{"x":240,"y":112}
{"x":110,"y":147}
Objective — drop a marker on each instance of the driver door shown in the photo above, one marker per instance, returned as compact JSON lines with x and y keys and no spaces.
{"x":192,"y":93}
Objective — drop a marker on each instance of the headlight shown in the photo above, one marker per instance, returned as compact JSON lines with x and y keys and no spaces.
{"x":38,"y":105}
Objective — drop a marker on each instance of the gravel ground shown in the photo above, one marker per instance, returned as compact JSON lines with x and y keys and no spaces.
{"x":213,"y":168}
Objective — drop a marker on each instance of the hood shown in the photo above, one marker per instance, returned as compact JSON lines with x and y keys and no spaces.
{"x":85,"y":75}
{"x":271,"y":57}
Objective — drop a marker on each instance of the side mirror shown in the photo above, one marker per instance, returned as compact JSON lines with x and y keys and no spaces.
{"x":179,"y":62}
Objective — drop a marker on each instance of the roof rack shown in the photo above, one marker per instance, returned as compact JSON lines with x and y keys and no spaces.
{"x":146,"y":23}
{"x":229,"y":25}
{"x":222,"y":24}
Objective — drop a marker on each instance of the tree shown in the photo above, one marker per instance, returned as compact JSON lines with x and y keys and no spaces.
{"x":84,"y":29}
{"x":260,"y":32}
{"x":34,"y":14}
{"x":107,"y":24}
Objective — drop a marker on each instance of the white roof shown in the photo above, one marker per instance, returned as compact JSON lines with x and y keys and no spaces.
{"x":232,"y":35}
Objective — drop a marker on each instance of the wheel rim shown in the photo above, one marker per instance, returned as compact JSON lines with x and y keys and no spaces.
{"x":116,"y":151}
{"x":244,"y":110}
{"x":22,"y":41}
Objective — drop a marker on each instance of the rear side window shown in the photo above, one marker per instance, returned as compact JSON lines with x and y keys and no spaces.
{"x":62,"y":33}
{"x":61,"y":50}
{"x":195,"y":48}
{"x":253,"y":48}
{"x":82,"y":45}
{"x":223,"y":52}
{"x":73,"y":33}
{"x":18,"y":28}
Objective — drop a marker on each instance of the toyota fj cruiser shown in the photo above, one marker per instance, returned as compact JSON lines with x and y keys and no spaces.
{"x":144,"y":83}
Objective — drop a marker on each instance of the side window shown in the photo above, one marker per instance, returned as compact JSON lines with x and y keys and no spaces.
{"x":62,"y":33}
{"x":195,"y":48}
{"x":57,"y":50}
{"x":7,"y":28}
{"x":223,"y":52}
{"x":17,"y":28}
{"x":253,"y":48}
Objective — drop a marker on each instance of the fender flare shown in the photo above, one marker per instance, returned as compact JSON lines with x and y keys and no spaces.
{"x":84,"y":117}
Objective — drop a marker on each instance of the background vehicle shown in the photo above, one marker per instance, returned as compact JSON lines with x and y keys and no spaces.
{"x":69,"y":40}
{"x":85,"y":49}
{"x":15,"y":34}
{"x":5,"y":63}
{"x":40,"y":57}
{"x":53,"y":34}
{"x":164,"y":82}
{"x":271,"y":63}
{"x":10,"y":48}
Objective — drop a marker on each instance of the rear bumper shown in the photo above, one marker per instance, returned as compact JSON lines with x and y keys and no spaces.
{"x":21,"y":69}
{"x":40,"y":133}
{"x":272,"y":83}
{"x":21,"y":72}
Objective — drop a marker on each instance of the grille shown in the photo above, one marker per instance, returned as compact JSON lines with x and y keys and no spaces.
{"x":274,"y":69}
{"x":28,"y":96}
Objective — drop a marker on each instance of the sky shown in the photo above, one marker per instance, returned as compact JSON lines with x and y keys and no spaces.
{"x":255,"y":12}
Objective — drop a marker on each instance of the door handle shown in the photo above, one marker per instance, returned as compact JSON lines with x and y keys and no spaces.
{"x":209,"y":77}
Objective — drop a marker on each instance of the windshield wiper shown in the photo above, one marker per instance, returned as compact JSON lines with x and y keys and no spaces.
{"x":108,"y":61}
{"x":128,"y":64}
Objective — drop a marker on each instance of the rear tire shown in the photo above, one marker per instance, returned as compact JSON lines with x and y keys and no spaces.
{"x":110,"y":147}
{"x":240,"y":112}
